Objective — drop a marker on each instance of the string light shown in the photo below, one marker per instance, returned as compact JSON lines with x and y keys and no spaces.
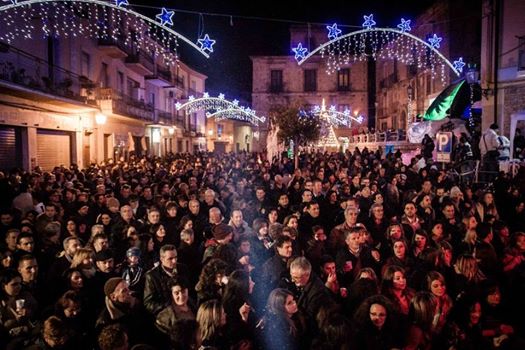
{"x":381,"y":43}
{"x":108,"y":21}
{"x":220,"y":108}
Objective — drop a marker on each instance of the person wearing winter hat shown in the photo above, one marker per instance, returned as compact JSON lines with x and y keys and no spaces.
{"x":133,"y":273}
{"x":221,"y":245}
{"x":119,"y":307}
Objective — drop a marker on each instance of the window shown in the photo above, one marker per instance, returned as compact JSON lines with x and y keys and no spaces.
{"x":104,"y":77}
{"x":220,"y":128}
{"x":84,"y":64}
{"x":343,"y":107}
{"x":120,"y":82}
{"x":133,"y":89}
{"x":310,"y":80}
{"x":343,"y":79}
{"x":276,"y":81}
{"x":521,"y":53}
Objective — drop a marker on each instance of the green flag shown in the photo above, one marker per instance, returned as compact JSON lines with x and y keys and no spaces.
{"x":440,"y":108}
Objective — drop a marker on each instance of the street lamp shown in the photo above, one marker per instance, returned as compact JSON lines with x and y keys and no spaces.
{"x":410,"y":93}
{"x":100,"y":119}
{"x":472,"y":78}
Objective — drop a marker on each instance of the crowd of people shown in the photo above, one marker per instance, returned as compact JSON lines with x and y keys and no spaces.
{"x":351,"y":250}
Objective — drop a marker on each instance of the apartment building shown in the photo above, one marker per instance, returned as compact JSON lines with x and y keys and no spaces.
{"x":458,"y":23}
{"x":80,"y":100}
{"x":280,"y":81}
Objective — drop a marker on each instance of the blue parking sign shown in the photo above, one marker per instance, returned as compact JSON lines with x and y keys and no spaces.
{"x":444,"y":146}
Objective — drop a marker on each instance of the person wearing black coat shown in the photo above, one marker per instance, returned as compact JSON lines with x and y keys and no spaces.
{"x":157,"y":294}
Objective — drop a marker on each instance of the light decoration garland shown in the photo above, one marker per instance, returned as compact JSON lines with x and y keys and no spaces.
{"x":334,"y":117}
{"x":220,"y":108}
{"x":109,"y":21}
{"x":382,"y":43}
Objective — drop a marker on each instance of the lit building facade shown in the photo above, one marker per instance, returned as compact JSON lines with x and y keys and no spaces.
{"x":280,"y":81}
{"x":502,"y":75}
{"x":398,"y":85}
{"x":83,"y":100}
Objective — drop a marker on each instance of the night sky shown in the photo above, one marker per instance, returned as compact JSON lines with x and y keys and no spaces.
{"x":261,"y":28}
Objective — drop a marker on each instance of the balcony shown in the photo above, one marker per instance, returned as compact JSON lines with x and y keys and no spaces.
{"x":276,"y":89}
{"x":112,"y":47}
{"x":141,"y":63}
{"x":161,"y":78}
{"x":163,"y":117}
{"x":22,"y":74}
{"x":127,"y":106}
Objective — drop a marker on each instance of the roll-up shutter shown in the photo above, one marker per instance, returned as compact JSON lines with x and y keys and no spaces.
{"x":10,"y":148}
{"x":53,"y":149}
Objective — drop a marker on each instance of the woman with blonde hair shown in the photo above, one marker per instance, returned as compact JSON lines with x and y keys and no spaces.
{"x":467,"y":277}
{"x":212,"y":319}
{"x":83,"y":260}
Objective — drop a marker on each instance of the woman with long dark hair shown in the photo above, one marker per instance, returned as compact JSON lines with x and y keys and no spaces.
{"x":375,"y":325}
{"x":281,"y":327}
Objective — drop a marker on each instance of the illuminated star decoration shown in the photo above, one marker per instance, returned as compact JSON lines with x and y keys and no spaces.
{"x":206,"y":43}
{"x":459,"y":64}
{"x":300,"y":52}
{"x":369,"y":21}
{"x":119,"y":3}
{"x":165,"y":17}
{"x":434,"y":41}
{"x":206,"y":95}
{"x":404,"y":26}
{"x":221,"y":96}
{"x":333,"y":31}
{"x":235,"y":102}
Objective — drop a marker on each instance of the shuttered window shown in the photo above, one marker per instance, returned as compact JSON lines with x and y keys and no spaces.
{"x":53,"y":149}
{"x":10,"y":148}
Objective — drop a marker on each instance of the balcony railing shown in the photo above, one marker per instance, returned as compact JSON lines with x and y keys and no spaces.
{"x":163,"y":117}
{"x":179,"y":82}
{"x":127,"y":105}
{"x":143,"y":59}
{"x":28,"y":71}
{"x":164,"y":73}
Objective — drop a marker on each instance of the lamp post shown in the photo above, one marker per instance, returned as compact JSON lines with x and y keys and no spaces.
{"x":410,"y":93}
{"x":472,"y":78}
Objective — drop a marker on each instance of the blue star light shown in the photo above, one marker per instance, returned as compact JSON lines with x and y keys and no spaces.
{"x":434,"y":41}
{"x":221,"y":96}
{"x":206,"y":43}
{"x":165,"y":17}
{"x":459,"y":64}
{"x":369,"y":21}
{"x":300,"y":52}
{"x":333,"y":31}
{"x":404,"y":26}
{"x":120,"y":3}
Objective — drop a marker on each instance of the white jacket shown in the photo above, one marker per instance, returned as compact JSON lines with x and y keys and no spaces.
{"x":488,"y":142}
